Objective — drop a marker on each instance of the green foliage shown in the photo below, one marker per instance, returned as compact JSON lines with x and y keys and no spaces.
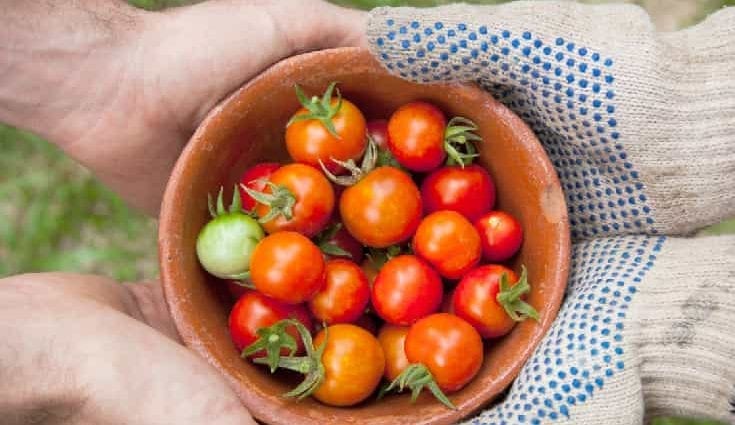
{"x":56,"y":216}
{"x":158,"y":4}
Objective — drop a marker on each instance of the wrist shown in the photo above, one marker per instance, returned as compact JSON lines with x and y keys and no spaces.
{"x":62,"y":66}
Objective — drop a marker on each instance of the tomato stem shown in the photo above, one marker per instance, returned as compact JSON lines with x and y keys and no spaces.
{"x":235,"y":205}
{"x":310,"y":365}
{"x":272,"y":339}
{"x":319,"y":109}
{"x":416,"y":377}
{"x":367,"y":165}
{"x":281,"y":201}
{"x":459,"y":141}
{"x":244,"y":281}
{"x":510,"y":298}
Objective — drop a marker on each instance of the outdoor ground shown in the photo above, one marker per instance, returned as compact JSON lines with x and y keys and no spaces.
{"x":54,"y":215}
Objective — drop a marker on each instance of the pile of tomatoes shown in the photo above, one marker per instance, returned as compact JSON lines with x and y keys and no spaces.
{"x":373,"y":222}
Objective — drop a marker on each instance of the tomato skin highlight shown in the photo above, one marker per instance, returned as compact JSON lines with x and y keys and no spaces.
{"x":287,"y":266}
{"x":254,"y":311}
{"x":475,"y":300}
{"x":344,"y":296}
{"x":314,"y":200}
{"x":501,"y":235}
{"x":392,"y":338}
{"x":448,"y":346}
{"x":416,"y":136}
{"x":308,"y":141}
{"x":406,"y":289}
{"x":382,"y":209}
{"x":469,"y":191}
{"x":354,"y":363}
{"x":449,"y":242}
{"x":254,"y":178}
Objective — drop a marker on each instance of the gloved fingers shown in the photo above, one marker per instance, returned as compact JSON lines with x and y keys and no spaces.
{"x":646,"y":320}
{"x":640,"y":126}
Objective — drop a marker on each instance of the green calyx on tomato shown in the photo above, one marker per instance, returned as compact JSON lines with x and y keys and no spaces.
{"x":369,"y":161}
{"x":226,"y":242}
{"x":510,"y":298}
{"x":281,"y":201}
{"x":272,"y":339}
{"x":320,"y":109}
{"x":459,"y":139}
{"x":310,"y":365}
{"x":416,"y":377}
{"x":323,"y":242}
{"x":380,"y":256}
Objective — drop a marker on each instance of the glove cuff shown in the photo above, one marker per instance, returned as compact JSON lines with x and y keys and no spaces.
{"x":683,"y":321}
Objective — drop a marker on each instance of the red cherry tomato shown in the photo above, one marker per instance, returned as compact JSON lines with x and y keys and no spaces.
{"x":254,"y":178}
{"x":382,"y":209}
{"x":344,"y":296}
{"x":448,"y":346}
{"x":287,"y":266}
{"x":416,"y":136}
{"x":449,"y":242}
{"x":255,"y":311}
{"x":378,"y":130}
{"x":313,"y":203}
{"x":469,"y":191}
{"x":405,"y":290}
{"x":475,"y":299}
{"x":501,"y":235}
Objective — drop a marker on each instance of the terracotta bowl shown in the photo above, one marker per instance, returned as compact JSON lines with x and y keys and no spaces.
{"x":248,"y":127}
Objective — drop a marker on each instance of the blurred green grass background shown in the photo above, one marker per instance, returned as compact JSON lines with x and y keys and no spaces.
{"x":54,"y":215}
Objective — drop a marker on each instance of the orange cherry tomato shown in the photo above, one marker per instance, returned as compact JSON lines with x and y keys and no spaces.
{"x":392,"y":338}
{"x":354,"y":363}
{"x":287,"y":266}
{"x":449,"y":242}
{"x":382,"y":209}
{"x":448,"y":346}
{"x":345,"y":293}
{"x":314,"y":200}
{"x":309,"y":141}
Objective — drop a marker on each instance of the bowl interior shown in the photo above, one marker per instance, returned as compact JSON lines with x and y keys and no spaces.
{"x":249,"y":127}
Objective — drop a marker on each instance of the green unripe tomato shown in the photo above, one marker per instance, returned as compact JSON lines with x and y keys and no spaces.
{"x":225,"y":244}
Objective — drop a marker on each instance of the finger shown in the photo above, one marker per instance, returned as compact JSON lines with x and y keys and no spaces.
{"x":235,"y":40}
{"x":73,"y":347}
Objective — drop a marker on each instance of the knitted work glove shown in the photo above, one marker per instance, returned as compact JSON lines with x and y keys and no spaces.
{"x":641,"y":128}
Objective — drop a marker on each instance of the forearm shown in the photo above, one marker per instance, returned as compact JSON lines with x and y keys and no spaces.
{"x":59,"y":59}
